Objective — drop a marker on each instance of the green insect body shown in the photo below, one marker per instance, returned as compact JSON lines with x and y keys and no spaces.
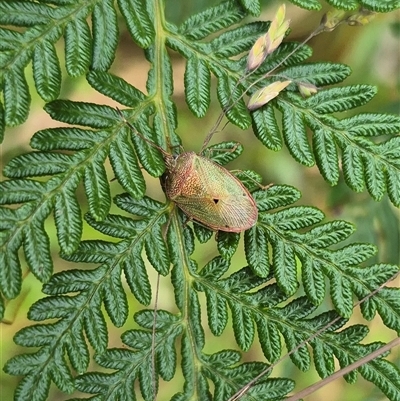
{"x":208,"y":193}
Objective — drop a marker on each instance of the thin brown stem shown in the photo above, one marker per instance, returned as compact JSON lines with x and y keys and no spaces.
{"x":316,"y":386}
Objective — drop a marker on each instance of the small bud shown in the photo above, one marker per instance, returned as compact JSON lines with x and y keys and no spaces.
{"x":306,"y":89}
{"x":277,"y":39}
{"x":332,"y":18}
{"x":264,"y":95}
{"x":257,"y":54}
{"x":363,"y":17}
{"x":267,"y":43}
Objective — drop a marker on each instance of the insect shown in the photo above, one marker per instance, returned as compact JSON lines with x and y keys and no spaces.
{"x":206,"y":192}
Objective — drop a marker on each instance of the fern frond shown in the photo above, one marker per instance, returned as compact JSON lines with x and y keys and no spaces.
{"x":65,"y":171}
{"x":289,"y":246}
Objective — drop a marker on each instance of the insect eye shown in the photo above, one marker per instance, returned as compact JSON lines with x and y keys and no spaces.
{"x":216,"y":201}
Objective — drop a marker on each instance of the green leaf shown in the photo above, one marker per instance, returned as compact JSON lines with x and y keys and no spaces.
{"x":256,"y":248}
{"x":17,"y":99}
{"x":37,"y":251}
{"x":353,"y":169}
{"x":33,"y":387}
{"x":160,"y":60}
{"x":217,"y":312}
{"x":10,"y":273}
{"x":270,"y":340}
{"x":276,"y":196}
{"x":308,"y":4}
{"x":95,"y":325}
{"x":126,"y":167}
{"x":67,"y":216}
{"x":227,"y":243}
{"x":294,"y":218}
{"x":372,"y":124}
{"x":203,"y":234}
{"x":318,"y":74}
{"x":284,"y":263}
{"x":77,"y":349}
{"x":340,"y":99}
{"x":93,"y":251}
{"x":223,"y":152}
{"x":138,"y":21}
{"x":46,"y":71}
{"x":118,"y":226}
{"x":78,"y":47}
{"x":97,"y":188}
{"x":344,"y":4}
{"x":285,"y":55}
{"x":249,"y":179}
{"x":243,"y":326}
{"x":313,"y":280}
{"x":329,"y":234}
{"x":375,"y":177}
{"x":9,"y":39}
{"x":324,"y":362}
{"x":211,"y":20}
{"x":294,"y":133}
{"x":238,"y":40}
{"x":2,"y":308}
{"x":21,"y":13}
{"x":115,"y":299}
{"x":137,"y":279}
{"x":115,"y":87}
{"x":38,"y":164}
{"x":67,"y":139}
{"x":266,"y":127}
{"x":105,"y":35}
{"x":380,"y":6}
{"x":145,"y":207}
{"x":326,"y":155}
{"x":341,"y":294}
{"x":156,"y":250}
{"x":80,"y":113}
{"x":354,"y":254}
{"x":197,"y":86}
{"x":20,"y":191}
{"x":384,"y":374}
{"x":252,"y":6}
{"x":228,"y":95}
{"x":215,"y":268}
{"x":150,"y":157}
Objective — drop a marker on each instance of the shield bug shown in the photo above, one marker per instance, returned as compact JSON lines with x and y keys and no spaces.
{"x":206,"y":192}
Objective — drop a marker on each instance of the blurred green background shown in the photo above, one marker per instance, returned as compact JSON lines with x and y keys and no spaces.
{"x":371,"y":51}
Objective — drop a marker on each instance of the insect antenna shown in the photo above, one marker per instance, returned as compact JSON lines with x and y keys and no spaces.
{"x":165,"y":154}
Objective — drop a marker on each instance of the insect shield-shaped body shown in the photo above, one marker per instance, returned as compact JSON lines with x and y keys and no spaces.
{"x":208,"y":193}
